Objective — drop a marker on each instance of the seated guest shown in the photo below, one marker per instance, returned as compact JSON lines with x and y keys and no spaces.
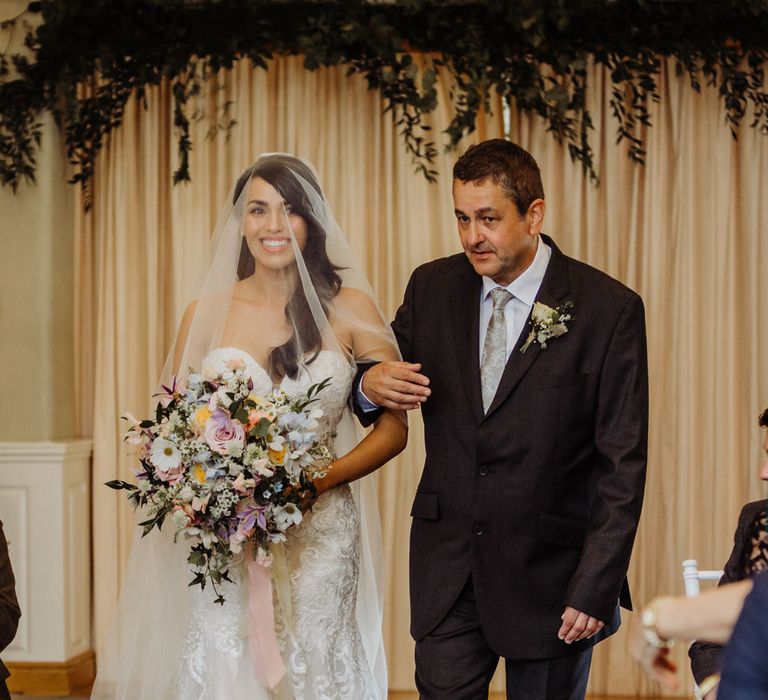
{"x":748,"y":557}
{"x":745,"y":673}
{"x":9,"y":610}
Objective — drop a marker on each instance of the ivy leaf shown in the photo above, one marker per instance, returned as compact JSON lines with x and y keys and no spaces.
{"x":119,"y":485}
{"x":196,"y":558}
{"x":261,"y":429}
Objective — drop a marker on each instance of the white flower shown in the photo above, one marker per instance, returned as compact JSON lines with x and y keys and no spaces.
{"x":286,"y":516}
{"x":547,"y":323}
{"x":234,"y":448}
{"x":276,"y":443}
{"x":175,"y":421}
{"x":261,"y":467}
{"x":297,"y":438}
{"x":187,"y":493}
{"x":180,"y":518}
{"x":541,"y":312}
{"x":164,"y":455}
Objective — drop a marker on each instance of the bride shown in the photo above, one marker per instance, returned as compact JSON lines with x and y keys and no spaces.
{"x":283,"y":298}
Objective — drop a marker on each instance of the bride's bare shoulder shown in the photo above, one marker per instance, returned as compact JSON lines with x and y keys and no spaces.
{"x":356,"y":301}
{"x":218,"y":300}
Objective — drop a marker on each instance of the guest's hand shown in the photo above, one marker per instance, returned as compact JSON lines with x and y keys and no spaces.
{"x":396,"y":385}
{"x":655,"y":661}
{"x":577,"y":626}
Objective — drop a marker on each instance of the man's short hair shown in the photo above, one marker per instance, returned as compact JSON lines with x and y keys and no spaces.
{"x":763,"y":419}
{"x":506,"y":164}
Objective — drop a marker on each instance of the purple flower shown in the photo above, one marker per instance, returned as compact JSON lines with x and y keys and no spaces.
{"x":168,"y":393}
{"x":250,"y":514}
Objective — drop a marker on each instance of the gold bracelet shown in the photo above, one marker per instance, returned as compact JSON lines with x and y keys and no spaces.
{"x":649,"y":618}
{"x":706,"y":685}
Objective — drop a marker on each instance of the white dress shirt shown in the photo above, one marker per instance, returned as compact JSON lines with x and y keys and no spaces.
{"x":523,"y":290}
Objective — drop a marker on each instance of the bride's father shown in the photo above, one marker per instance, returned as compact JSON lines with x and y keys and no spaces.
{"x":535,"y":420}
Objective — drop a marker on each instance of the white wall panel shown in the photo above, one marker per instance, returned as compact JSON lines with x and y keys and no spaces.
{"x":45,"y":509}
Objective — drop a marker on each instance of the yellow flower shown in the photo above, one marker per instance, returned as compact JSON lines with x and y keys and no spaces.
{"x":277,"y":456}
{"x":198,"y":473}
{"x":201,"y":416}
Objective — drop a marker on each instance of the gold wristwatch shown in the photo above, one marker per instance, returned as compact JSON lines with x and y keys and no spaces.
{"x":649,"y":619}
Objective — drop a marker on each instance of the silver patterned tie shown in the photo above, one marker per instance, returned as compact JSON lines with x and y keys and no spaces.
{"x":495,"y":347}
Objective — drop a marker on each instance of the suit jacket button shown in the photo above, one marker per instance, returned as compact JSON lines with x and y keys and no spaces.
{"x":483,"y":470}
{"x":477,"y":529}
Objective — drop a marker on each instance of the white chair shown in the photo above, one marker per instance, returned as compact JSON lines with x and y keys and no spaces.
{"x":692,"y":576}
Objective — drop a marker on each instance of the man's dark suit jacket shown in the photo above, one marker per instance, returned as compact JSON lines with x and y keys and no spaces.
{"x":9,"y":609}
{"x":537,"y":500}
{"x":705,"y":656}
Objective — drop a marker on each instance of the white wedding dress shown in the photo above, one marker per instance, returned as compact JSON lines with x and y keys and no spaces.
{"x":321,"y":644}
{"x":325,"y":654}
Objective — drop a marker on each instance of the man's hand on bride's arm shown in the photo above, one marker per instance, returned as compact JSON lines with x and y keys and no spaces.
{"x":396,"y":385}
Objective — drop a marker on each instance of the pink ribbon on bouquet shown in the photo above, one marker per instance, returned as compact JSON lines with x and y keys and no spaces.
{"x":265,"y":654}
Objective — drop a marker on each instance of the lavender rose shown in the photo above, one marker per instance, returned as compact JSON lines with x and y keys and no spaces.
{"x":220,"y":430}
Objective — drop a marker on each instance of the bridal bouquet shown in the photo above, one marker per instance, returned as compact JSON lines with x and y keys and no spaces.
{"x":226,"y":466}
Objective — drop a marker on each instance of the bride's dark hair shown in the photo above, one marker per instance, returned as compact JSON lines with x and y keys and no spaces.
{"x":280,"y":171}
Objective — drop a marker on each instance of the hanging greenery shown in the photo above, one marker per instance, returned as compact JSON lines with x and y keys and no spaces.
{"x":85,"y":58}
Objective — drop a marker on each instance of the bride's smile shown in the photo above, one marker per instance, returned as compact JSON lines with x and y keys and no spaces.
{"x":269,"y":223}
{"x":275,"y":244}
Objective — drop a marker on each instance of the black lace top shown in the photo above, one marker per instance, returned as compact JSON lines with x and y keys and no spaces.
{"x":756,"y":554}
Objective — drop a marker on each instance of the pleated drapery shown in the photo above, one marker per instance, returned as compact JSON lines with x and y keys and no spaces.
{"x":688,"y":231}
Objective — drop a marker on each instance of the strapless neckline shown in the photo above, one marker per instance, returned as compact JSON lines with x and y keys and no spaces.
{"x":326,"y":361}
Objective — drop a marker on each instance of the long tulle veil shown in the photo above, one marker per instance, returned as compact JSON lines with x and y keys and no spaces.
{"x":330,"y":307}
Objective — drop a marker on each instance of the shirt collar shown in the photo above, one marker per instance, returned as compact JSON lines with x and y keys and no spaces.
{"x":526,"y":286}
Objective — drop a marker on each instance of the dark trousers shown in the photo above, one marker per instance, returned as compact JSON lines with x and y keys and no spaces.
{"x":454,"y":662}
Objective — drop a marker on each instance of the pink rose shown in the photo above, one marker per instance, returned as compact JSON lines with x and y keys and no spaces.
{"x":221,"y":430}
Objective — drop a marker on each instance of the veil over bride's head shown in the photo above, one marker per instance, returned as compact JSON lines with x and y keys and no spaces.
{"x":283,"y":285}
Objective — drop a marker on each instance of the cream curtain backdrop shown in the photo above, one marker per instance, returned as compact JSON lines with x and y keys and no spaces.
{"x":685,"y":231}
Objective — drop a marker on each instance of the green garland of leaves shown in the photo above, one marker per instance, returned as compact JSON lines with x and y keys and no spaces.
{"x":87,"y":57}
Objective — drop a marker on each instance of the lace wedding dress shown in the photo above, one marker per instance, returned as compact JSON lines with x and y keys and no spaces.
{"x":321,"y":643}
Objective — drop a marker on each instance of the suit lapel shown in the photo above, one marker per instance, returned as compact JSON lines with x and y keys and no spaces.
{"x":465,"y":298}
{"x":554,"y":288}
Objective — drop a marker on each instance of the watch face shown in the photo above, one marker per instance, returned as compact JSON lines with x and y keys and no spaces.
{"x":648,"y":619}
